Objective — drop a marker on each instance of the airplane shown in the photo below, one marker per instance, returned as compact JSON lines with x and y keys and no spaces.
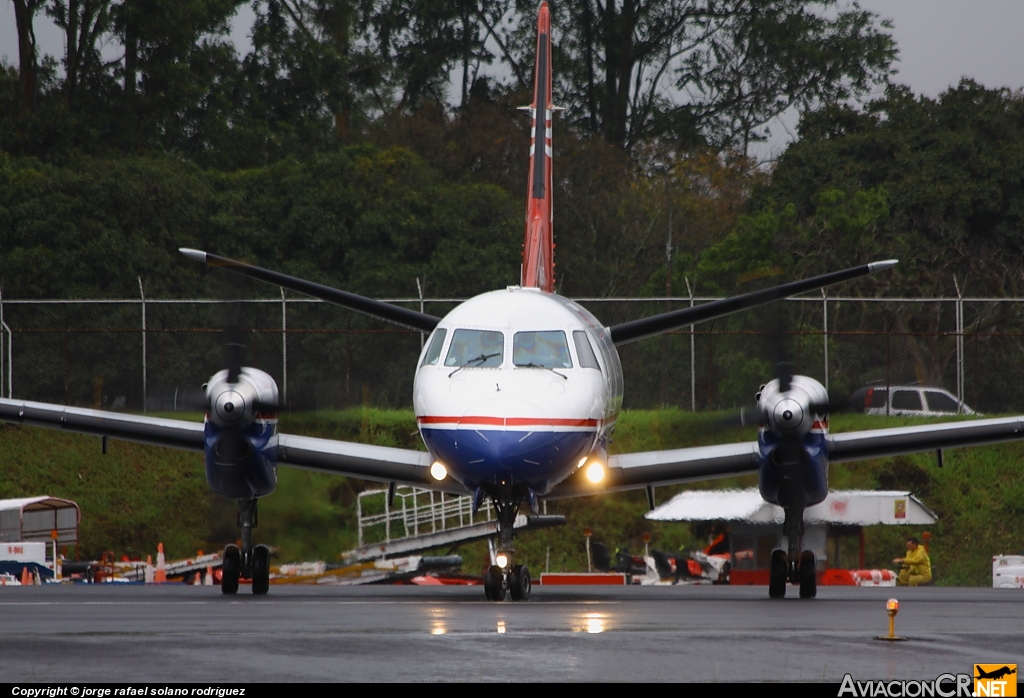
{"x":516,"y":394}
{"x":995,"y":673}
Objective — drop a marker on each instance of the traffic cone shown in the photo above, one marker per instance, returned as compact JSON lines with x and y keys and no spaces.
{"x":38,"y":578}
{"x":209,"y":576}
{"x":149,"y":569}
{"x":160,"y":576}
{"x":25,"y":579}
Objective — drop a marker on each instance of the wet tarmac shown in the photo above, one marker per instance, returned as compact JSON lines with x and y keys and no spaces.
{"x":387,"y":633}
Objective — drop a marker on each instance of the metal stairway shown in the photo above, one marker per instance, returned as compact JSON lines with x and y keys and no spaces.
{"x":419,"y":520}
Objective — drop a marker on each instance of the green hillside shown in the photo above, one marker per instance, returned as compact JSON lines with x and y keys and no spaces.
{"x":136,"y":496}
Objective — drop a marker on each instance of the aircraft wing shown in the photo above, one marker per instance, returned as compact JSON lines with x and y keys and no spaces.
{"x":654,"y":468}
{"x":380,"y":463}
{"x":173,"y":433}
{"x":879,"y":443}
{"x":631,"y":471}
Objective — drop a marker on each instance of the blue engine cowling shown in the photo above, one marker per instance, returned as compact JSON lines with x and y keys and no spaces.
{"x":241,"y":439}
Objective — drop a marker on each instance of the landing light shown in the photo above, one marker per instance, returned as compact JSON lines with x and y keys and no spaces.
{"x":501,"y":560}
{"x":438,"y":471}
{"x":595,"y":472}
{"x":582,"y":461}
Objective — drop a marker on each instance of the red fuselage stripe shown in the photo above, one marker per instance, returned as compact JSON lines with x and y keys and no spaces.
{"x":511,"y":421}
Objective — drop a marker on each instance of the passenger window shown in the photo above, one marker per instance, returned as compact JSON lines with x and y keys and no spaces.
{"x":906,"y":400}
{"x":541,"y":349}
{"x":434,"y":350}
{"x":584,"y":351}
{"x":940,"y":402}
{"x":476,"y":348}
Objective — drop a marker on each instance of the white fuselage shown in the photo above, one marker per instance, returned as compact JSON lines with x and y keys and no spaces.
{"x":517,"y":387}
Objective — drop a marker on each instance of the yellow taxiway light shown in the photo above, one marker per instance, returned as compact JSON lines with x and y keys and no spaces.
{"x":438,"y":471}
{"x":892,"y":607}
{"x":595,"y":472}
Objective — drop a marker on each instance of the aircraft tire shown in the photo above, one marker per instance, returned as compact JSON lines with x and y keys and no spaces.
{"x":492,"y":584}
{"x":808,"y":580}
{"x":520,"y":586}
{"x":777,"y":575}
{"x":260,"y":569}
{"x":231,"y":567}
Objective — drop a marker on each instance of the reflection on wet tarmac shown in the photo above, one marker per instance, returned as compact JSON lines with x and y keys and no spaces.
{"x":438,"y":625}
{"x":591,"y":623}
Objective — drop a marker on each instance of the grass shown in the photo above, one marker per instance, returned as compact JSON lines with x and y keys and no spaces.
{"x":138,"y":495}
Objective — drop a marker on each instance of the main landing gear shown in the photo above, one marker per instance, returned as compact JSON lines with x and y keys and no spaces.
{"x":503,"y":576}
{"x":249,"y":562}
{"x":794,"y":567}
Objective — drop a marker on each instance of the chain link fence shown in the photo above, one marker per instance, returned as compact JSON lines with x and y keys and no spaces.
{"x":154,"y":355}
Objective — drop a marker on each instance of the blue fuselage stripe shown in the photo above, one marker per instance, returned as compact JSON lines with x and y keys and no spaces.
{"x":538,"y":459}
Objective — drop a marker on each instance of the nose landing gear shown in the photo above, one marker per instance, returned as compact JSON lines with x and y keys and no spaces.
{"x":515,"y":581}
{"x":249,"y":562}
{"x":794,"y":567}
{"x":505,"y":577}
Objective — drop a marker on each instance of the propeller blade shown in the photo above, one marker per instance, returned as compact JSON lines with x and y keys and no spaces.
{"x":261,"y":406}
{"x":233,"y":358}
{"x":832,"y":406}
{"x":785,"y":370}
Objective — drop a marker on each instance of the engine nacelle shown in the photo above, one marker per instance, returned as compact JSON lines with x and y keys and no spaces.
{"x":795,"y":471}
{"x":241,"y":434}
{"x":790,"y":413}
{"x":234,"y":404}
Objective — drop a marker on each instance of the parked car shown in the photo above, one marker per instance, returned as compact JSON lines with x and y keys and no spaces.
{"x":907,"y":400}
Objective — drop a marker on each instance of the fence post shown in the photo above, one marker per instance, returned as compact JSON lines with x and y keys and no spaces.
{"x":959,"y":315}
{"x":693,"y":368}
{"x":142,"y":293}
{"x":824,"y":313}
{"x":284,"y":347}
{"x":888,"y":382}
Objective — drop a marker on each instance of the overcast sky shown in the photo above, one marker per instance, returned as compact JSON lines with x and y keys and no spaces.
{"x":939,"y":41}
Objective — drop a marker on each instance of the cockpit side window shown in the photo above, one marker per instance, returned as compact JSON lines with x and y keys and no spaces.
{"x":476,"y":349}
{"x":541,"y":349}
{"x":584,"y":350}
{"x":434,"y":350}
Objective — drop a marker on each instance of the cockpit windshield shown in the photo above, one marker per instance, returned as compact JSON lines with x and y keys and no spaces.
{"x":476,"y":348}
{"x":541,"y":349}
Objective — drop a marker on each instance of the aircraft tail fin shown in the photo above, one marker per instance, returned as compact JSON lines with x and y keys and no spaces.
{"x":538,"y":244}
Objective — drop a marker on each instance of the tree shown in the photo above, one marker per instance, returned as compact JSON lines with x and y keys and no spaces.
{"x":699,"y":71}
{"x":84,"y":23}
{"x":28,"y":52}
{"x":952,"y":170}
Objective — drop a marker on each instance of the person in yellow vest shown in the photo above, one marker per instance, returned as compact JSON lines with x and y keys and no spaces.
{"x":916,"y":568}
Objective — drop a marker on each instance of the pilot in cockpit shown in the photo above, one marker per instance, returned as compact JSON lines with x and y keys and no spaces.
{"x":480,"y":348}
{"x":541,"y":349}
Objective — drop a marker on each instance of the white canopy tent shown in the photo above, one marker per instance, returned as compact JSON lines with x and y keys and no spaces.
{"x":755,"y":526}
{"x":36,"y":518}
{"x":842,"y":507}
